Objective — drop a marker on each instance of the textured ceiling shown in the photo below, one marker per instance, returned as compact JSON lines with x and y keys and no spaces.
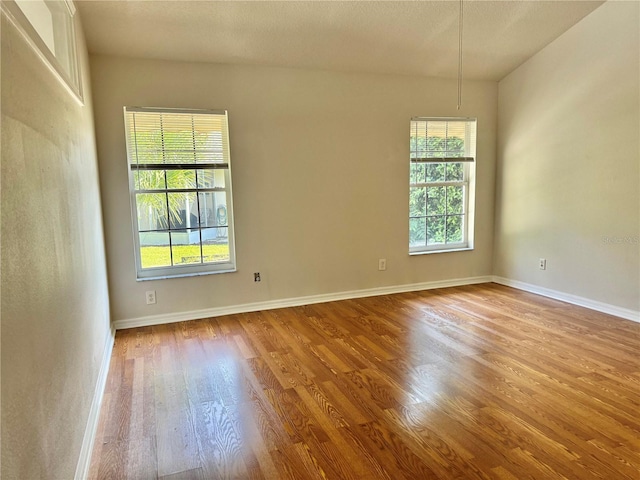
{"x":414,"y":37}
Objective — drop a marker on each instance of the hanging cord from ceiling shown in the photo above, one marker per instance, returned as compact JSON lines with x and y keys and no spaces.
{"x":460,"y":25}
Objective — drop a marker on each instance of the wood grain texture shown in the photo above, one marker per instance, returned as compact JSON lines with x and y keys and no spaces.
{"x":475,"y":382}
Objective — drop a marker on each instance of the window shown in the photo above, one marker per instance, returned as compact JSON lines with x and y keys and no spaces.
{"x":48,"y":26}
{"x":180,"y":185}
{"x":441,"y":184}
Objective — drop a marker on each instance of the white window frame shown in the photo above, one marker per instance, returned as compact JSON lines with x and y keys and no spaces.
{"x":468,"y":162}
{"x":154,"y":273}
{"x":52,"y":36}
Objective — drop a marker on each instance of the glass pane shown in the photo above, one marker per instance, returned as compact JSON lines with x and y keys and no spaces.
{"x":417,"y":232}
{"x":154,"y":249}
{"x":183,"y":210}
{"x":436,"y":200}
{"x":417,"y":173}
{"x":149,"y":180}
{"x":417,"y":201}
{"x":455,"y":198}
{"x":181,"y":179}
{"x":211,"y":178}
{"x":152,"y":211}
{"x":435,"y":230}
{"x":435,"y":172}
{"x":413,"y":145}
{"x":213,"y":209}
{"x":454,"y":229}
{"x":215,"y":245}
{"x":185,"y":247}
{"x":455,"y":172}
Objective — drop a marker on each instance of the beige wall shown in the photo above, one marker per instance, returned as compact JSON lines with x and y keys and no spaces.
{"x":569,"y":158}
{"x":320,"y":178}
{"x":55,"y":312}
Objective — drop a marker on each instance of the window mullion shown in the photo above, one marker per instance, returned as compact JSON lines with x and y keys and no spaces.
{"x":439,"y":184}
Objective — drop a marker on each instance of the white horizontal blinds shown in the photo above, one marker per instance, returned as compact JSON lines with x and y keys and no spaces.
{"x":169,"y":140}
{"x":442,"y":140}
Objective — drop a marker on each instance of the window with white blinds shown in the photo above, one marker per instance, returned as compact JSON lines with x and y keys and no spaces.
{"x":441,"y":184}
{"x":180,"y":185}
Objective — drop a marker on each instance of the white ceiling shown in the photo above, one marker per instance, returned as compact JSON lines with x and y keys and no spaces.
{"x":412,"y":37}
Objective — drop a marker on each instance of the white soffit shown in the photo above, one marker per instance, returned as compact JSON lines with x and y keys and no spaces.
{"x":398,"y":37}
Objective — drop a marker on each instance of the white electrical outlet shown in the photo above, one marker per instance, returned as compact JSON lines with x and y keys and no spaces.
{"x":151,"y":297}
{"x":382,"y":264}
{"x":542,"y":264}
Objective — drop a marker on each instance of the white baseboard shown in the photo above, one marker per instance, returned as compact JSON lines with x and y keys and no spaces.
{"x":626,"y":313}
{"x":84,"y":461}
{"x":292,"y":302}
{"x":331,"y":297}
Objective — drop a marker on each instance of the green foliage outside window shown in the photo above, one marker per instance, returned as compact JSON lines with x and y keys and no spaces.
{"x":436,"y":212}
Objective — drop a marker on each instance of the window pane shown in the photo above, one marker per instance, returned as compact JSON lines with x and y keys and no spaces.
{"x":454,"y":229}
{"x":215,"y":245}
{"x":181,"y":179}
{"x":417,"y":232}
{"x":154,"y":249}
{"x":213,"y":209}
{"x":418,"y":201}
{"x":418,"y":173}
{"x":149,"y":180}
{"x":185,"y":247}
{"x":435,"y":230}
{"x":455,"y":199}
{"x":436,"y":200}
{"x":211,"y":178}
{"x":183,"y":210}
{"x":152,"y":211}
{"x":455,"y":172}
{"x":435,"y":172}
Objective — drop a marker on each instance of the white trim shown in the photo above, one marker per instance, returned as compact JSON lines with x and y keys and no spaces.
{"x":292,"y":302}
{"x":626,"y":313}
{"x":71,"y":81}
{"x":84,"y":460}
{"x":70,"y":6}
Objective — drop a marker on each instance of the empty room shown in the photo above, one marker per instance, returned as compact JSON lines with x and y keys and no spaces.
{"x":320,"y":239}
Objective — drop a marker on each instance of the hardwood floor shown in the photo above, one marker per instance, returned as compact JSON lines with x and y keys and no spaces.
{"x":475,"y":382}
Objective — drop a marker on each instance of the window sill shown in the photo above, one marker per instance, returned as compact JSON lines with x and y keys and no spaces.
{"x":182,"y":275}
{"x":447,"y":250}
